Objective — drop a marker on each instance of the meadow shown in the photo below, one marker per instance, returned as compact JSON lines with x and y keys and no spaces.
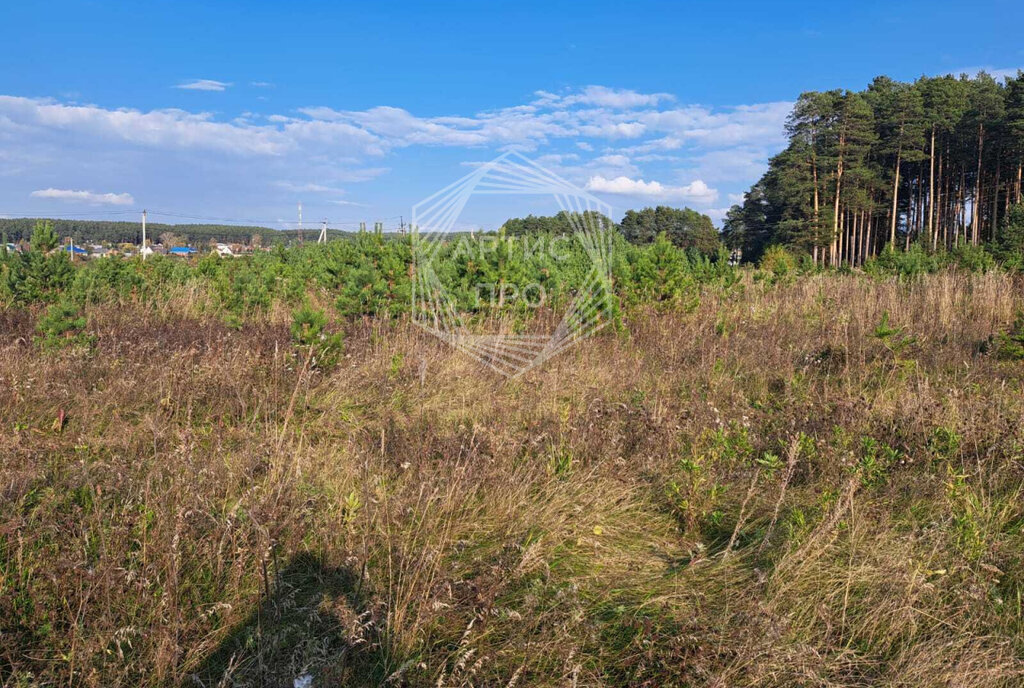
{"x":241,"y":473}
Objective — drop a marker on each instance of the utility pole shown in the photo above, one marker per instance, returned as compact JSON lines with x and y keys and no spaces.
{"x":300,"y":222}
{"x":323,"y":233}
{"x":401,"y":225}
{"x":143,"y":251}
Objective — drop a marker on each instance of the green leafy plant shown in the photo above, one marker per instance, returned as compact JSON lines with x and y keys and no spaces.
{"x":944,"y":443}
{"x":769,"y":462}
{"x":875,"y":461}
{"x":350,"y":509}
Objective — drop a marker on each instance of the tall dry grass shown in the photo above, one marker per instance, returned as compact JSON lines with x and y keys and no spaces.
{"x":765,"y":491}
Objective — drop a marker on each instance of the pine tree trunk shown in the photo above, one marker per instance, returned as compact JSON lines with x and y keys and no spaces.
{"x":895,"y":195}
{"x":951,"y":201}
{"x":841,"y":231}
{"x":995,"y":201}
{"x":817,"y":221}
{"x":976,"y":206}
{"x":935,"y":203}
{"x":962,"y":207}
{"x":931,"y":189}
{"x":839,"y":182}
{"x":847,"y":229}
{"x":861,"y":235}
{"x":921,"y":223}
{"x":948,"y":213}
{"x":870,"y":252}
{"x":855,"y":240}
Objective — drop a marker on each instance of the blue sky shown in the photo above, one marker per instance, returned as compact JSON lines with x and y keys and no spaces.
{"x":238,"y":111}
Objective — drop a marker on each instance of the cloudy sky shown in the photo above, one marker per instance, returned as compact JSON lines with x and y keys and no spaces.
{"x":237,"y":113}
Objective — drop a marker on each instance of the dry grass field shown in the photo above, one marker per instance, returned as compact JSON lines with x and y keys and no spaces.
{"x":818,"y":482}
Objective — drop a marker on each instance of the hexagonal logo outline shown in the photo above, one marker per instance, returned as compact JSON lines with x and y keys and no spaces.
{"x":433,"y":309}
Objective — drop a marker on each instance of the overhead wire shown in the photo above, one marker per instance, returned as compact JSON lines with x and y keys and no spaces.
{"x":269,"y":224}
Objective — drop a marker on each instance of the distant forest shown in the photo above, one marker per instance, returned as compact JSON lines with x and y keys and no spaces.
{"x":937,"y":161}
{"x":102,"y":231}
{"x":686,"y":228}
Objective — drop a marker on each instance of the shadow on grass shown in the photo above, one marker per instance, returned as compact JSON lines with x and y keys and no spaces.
{"x":313,"y":620}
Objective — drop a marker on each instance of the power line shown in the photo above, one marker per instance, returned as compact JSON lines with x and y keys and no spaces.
{"x":168,"y":213}
{"x":266,"y":223}
{"x":10,"y":215}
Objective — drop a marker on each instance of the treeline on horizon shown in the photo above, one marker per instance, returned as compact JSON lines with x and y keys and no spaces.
{"x":686,"y":228}
{"x":122,"y":232}
{"x":934,"y":163}
{"x":372,"y":274}
{"x":657,"y":258}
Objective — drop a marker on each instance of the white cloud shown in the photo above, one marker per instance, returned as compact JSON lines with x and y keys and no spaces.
{"x":261,"y":84}
{"x":618,"y":160}
{"x":620,"y":98}
{"x":203,"y":85}
{"x":602,"y":96}
{"x":743,"y":124}
{"x":612,"y":140}
{"x":85,"y":197}
{"x":593,"y":113}
{"x":552,"y":159}
{"x":375,"y":131}
{"x":405,"y":128}
{"x":612,"y":130}
{"x":739,"y":162}
{"x":401,"y":128}
{"x":665,"y":143}
{"x":716,"y":214}
{"x":656,"y":157}
{"x":178,"y":129}
{"x":307,"y":188}
{"x":696,"y":191}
